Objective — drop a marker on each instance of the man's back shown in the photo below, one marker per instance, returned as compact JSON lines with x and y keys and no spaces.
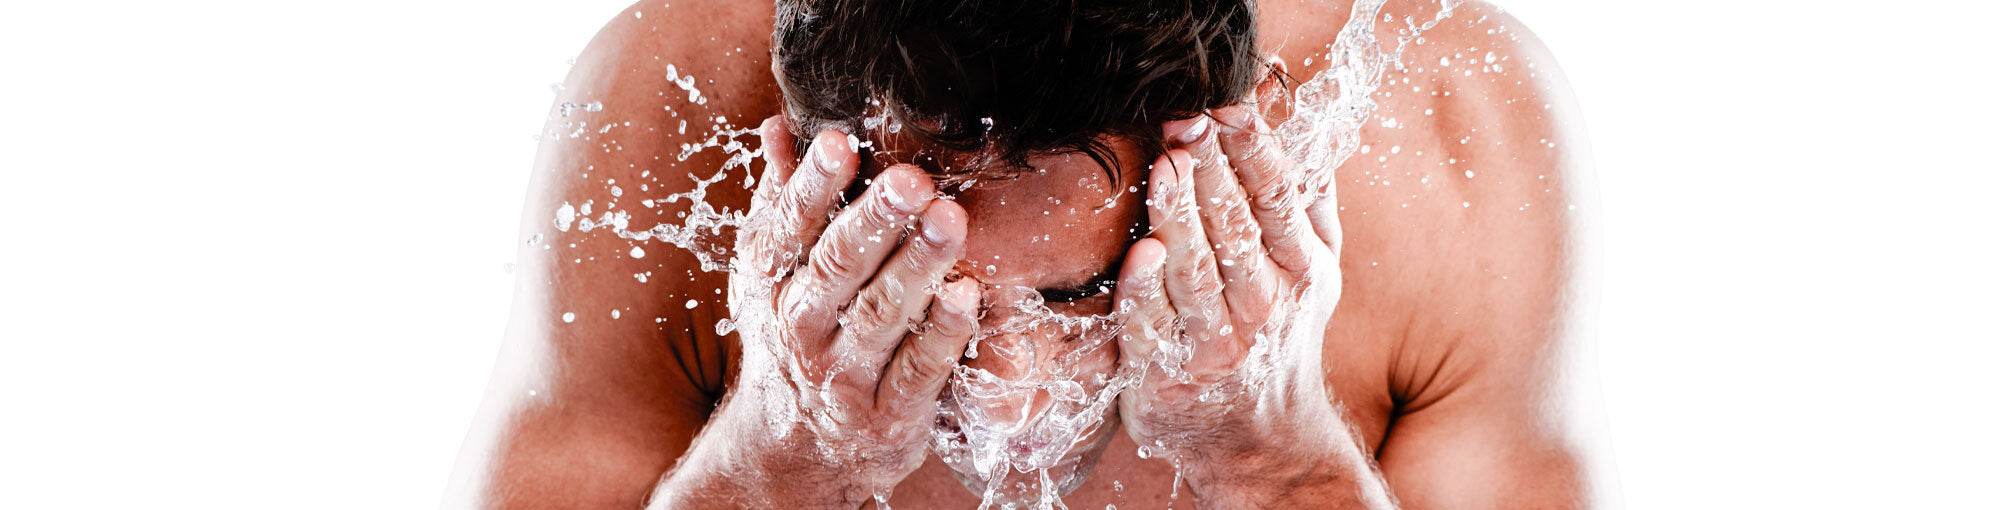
{"x":1457,"y":262}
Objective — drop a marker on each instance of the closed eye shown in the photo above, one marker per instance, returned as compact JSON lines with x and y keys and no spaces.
{"x":1097,"y":285}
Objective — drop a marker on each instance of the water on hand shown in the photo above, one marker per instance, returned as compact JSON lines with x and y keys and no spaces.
{"x":981,"y":431}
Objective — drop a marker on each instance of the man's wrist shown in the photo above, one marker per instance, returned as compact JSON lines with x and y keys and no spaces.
{"x":1316,"y":461}
{"x":736,"y":463}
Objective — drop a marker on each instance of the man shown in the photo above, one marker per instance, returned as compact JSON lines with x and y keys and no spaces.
{"x":1105,"y":157}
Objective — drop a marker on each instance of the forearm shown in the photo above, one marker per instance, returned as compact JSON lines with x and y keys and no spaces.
{"x":1315,"y":465}
{"x":731,"y":466}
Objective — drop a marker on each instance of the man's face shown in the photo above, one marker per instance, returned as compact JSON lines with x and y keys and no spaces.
{"x":1045,"y":244}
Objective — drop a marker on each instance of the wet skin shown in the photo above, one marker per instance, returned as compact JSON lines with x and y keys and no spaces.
{"x":1439,"y":355}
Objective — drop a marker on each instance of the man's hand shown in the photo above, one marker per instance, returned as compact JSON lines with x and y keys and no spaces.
{"x":845,"y":348}
{"x":1228,"y":301}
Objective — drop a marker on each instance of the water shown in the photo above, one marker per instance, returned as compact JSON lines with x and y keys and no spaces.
{"x":1014,"y":457}
{"x":987,"y":422}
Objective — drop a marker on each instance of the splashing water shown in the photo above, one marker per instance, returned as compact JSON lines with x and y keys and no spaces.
{"x":984,"y":428}
{"x":1329,"y":109}
{"x":1047,"y":407}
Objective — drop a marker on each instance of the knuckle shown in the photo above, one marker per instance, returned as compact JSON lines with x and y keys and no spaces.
{"x":1269,"y":194}
{"x":923,"y":366}
{"x":1238,"y":213}
{"x":1191,"y":274}
{"x":837,"y":258}
{"x":790,"y":211}
{"x":873,"y":311}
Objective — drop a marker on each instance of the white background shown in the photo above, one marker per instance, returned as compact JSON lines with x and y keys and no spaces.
{"x":253,"y":250}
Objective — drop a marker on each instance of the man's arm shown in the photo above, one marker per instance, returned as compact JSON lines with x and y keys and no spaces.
{"x":1484,"y":383}
{"x":606,"y":374}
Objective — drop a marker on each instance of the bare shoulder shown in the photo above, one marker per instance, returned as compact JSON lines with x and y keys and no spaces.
{"x":607,"y":370}
{"x":1466,"y":219}
{"x":1461,"y":210}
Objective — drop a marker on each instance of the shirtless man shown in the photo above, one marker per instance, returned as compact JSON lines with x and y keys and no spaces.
{"x":1438,"y":381}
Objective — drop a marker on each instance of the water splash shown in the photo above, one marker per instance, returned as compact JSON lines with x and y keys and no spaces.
{"x":1047,"y":407}
{"x":978,"y":431}
{"x":1329,"y":109}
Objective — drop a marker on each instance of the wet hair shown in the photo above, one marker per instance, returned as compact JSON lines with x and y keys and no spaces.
{"x":1005,"y":79}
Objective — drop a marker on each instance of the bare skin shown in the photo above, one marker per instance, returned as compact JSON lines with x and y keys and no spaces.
{"x":1455,"y":260}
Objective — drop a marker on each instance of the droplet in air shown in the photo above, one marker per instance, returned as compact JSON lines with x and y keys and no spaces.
{"x":638,"y":253}
{"x":691,"y":304}
{"x":564,"y":216}
{"x":569,"y":317}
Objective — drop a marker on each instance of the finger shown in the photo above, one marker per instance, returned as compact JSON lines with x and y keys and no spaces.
{"x":923,"y":362}
{"x":1142,"y":301}
{"x":1191,"y":281}
{"x":779,"y":161}
{"x":1248,"y":284}
{"x":760,"y":249}
{"x":812,"y":191}
{"x":853,"y":247}
{"x":896,"y":297}
{"x":1267,"y":173}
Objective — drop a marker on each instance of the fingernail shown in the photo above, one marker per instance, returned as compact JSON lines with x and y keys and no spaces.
{"x":935,"y":233}
{"x":824,"y":151}
{"x":1191,"y":129}
{"x":1233,"y":118}
{"x":903,"y":194}
{"x":960,"y":297}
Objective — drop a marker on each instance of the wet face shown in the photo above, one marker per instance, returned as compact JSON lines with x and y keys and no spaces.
{"x":1045,"y":244}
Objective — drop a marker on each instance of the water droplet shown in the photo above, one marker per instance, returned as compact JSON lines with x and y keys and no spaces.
{"x":691,"y":304}
{"x":564,"y":216}
{"x":614,"y":313}
{"x":638,"y":253}
{"x":569,"y":317}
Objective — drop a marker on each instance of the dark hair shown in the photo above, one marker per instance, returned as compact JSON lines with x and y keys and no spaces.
{"x":1004,"y":79}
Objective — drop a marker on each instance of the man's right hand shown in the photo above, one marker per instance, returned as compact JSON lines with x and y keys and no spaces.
{"x":848,"y":332}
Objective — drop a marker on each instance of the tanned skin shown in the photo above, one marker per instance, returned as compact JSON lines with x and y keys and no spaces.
{"x":1460,"y":258}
